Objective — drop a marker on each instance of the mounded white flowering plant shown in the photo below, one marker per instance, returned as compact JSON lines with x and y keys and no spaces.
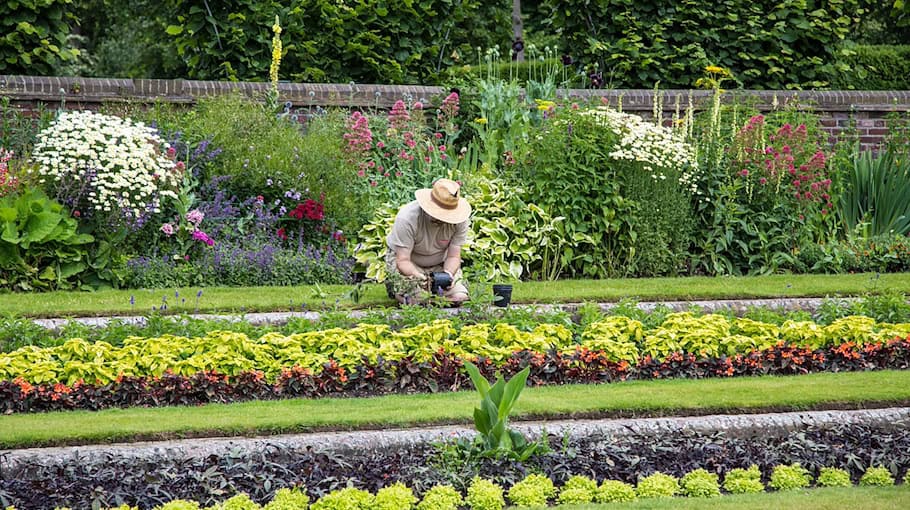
{"x":123,"y":169}
{"x":656,"y":147}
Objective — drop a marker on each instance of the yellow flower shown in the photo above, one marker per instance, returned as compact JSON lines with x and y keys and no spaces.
{"x":544,"y":105}
{"x":481,"y":120}
{"x":717,"y":70}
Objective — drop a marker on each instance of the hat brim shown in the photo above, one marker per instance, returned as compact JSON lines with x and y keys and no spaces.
{"x":459,"y":214}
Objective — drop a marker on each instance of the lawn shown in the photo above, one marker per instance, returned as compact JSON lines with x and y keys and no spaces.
{"x":249,"y":299}
{"x":867,"y":498}
{"x":636,"y":398}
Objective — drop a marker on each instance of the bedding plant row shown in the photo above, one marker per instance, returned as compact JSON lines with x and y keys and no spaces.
{"x":536,"y":491}
{"x":223,"y":366}
{"x":599,"y":466}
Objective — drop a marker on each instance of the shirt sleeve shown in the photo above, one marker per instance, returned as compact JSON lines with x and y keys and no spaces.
{"x":403,"y":232}
{"x":461,"y":233}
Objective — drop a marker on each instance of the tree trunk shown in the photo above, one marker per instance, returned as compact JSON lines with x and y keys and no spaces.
{"x":518,"y":50}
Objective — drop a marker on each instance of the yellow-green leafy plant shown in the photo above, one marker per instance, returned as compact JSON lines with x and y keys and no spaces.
{"x":907,"y":479}
{"x":744,"y":481}
{"x":288,"y":499}
{"x":484,"y":495}
{"x":394,"y":497}
{"x":657,"y":485}
{"x":876,"y":476}
{"x":123,"y":507}
{"x":699,"y":484}
{"x":533,"y":490}
{"x":349,"y":498}
{"x":833,"y":477}
{"x":789,"y":477}
{"x":179,"y":504}
{"x":578,"y":489}
{"x":617,"y":336}
{"x":239,"y":502}
{"x":615,"y":491}
{"x":441,"y":497}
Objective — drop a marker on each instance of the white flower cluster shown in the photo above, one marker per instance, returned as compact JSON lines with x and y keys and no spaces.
{"x":658,"y":148}
{"x":120,"y":161}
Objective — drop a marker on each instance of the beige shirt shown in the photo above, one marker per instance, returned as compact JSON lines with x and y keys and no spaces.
{"x":427,"y":240}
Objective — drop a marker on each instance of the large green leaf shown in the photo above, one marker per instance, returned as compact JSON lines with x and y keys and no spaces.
{"x":40,"y":225}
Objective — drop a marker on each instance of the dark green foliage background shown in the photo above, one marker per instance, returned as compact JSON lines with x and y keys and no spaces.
{"x":33,"y":35}
{"x":880,"y":67}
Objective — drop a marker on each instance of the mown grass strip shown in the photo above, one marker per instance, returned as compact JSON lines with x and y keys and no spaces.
{"x":250,"y":299}
{"x":867,"y":498}
{"x":637,"y":398}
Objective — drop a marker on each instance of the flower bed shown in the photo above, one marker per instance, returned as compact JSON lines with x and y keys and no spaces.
{"x":373,"y":359}
{"x":623,"y":457}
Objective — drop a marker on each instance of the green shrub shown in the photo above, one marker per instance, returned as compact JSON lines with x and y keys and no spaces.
{"x":239,"y":502}
{"x":288,"y":499}
{"x":394,"y":497}
{"x":349,"y":498}
{"x":396,"y":42}
{"x":792,"y":477}
{"x":874,"y":67}
{"x":877,"y":477}
{"x":578,"y":489}
{"x":534,"y":490}
{"x":658,"y":485}
{"x":614,"y":491}
{"x":441,"y":497}
{"x":179,"y":504}
{"x":833,"y":477}
{"x":484,"y":495}
{"x":907,"y":479}
{"x":699,"y":484}
{"x":35,"y":36}
{"x":637,"y":44}
{"x":744,"y":481}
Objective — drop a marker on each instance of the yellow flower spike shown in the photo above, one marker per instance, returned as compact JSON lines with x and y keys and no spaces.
{"x":715,"y":70}
{"x":481,"y":120}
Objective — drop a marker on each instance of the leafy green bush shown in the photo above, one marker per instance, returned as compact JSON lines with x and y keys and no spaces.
{"x":657,"y":485}
{"x":614,"y":491}
{"x":779,"y":44}
{"x":400,"y":42}
{"x":877,"y":477}
{"x":239,"y":502}
{"x":744,"y":481}
{"x":534,"y":490}
{"x":179,"y":504}
{"x":441,"y":497}
{"x":699,"y":484}
{"x":833,"y":477}
{"x":35,"y":33}
{"x":288,"y":499}
{"x":40,"y":247}
{"x":578,"y":489}
{"x":873,"y":67}
{"x":787,"y":478}
{"x":394,"y":497}
{"x":349,"y":498}
{"x":484,"y":495}
{"x":907,"y":479}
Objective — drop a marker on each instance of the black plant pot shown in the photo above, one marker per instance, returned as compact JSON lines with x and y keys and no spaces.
{"x":502,"y":294}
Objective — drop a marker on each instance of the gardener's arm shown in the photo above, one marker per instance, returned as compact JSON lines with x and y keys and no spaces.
{"x":453,"y":260}
{"x":405,"y":266}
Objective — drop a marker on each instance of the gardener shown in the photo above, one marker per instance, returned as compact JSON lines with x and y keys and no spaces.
{"x":427,"y":238}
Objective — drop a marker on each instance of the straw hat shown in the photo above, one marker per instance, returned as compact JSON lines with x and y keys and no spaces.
{"x":443,"y":201}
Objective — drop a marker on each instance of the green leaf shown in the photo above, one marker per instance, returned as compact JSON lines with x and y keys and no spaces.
{"x":174,"y":29}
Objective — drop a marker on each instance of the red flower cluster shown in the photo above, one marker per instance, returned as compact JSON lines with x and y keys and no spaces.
{"x":309,"y":209}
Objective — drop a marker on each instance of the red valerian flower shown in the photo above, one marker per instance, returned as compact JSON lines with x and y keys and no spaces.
{"x":281,"y":233}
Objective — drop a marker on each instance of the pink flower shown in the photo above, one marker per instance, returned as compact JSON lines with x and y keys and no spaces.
{"x":260,"y":198}
{"x":763,"y":181}
{"x":171,"y":152}
{"x":744,"y":172}
{"x":180,"y":166}
{"x":373,"y":183}
{"x":442,"y":148}
{"x":438,"y":135}
{"x":418,"y":105}
{"x":361,"y":173}
{"x":380,"y":145}
{"x":195,"y":216}
{"x":168,"y":229}
{"x":397,"y":174}
{"x":427,"y":159}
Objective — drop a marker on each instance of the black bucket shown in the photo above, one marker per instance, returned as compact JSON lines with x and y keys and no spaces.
{"x":502,"y":295}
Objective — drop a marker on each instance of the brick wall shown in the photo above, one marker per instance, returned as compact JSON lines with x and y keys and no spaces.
{"x":838,"y":109}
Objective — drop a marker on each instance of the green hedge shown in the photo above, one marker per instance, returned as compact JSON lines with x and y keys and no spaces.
{"x":33,"y":36}
{"x":879,"y":67}
{"x":767,"y":44}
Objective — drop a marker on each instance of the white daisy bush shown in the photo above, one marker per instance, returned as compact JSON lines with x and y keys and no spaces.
{"x":657,"y":148}
{"x":106,"y":166}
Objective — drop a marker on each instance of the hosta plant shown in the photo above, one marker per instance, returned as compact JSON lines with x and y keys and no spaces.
{"x":833,"y":477}
{"x":789,"y":477}
{"x":615,"y":491}
{"x":877,"y":476}
{"x":657,"y":485}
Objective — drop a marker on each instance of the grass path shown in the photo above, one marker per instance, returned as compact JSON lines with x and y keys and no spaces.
{"x":249,"y":299}
{"x":636,"y":398}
